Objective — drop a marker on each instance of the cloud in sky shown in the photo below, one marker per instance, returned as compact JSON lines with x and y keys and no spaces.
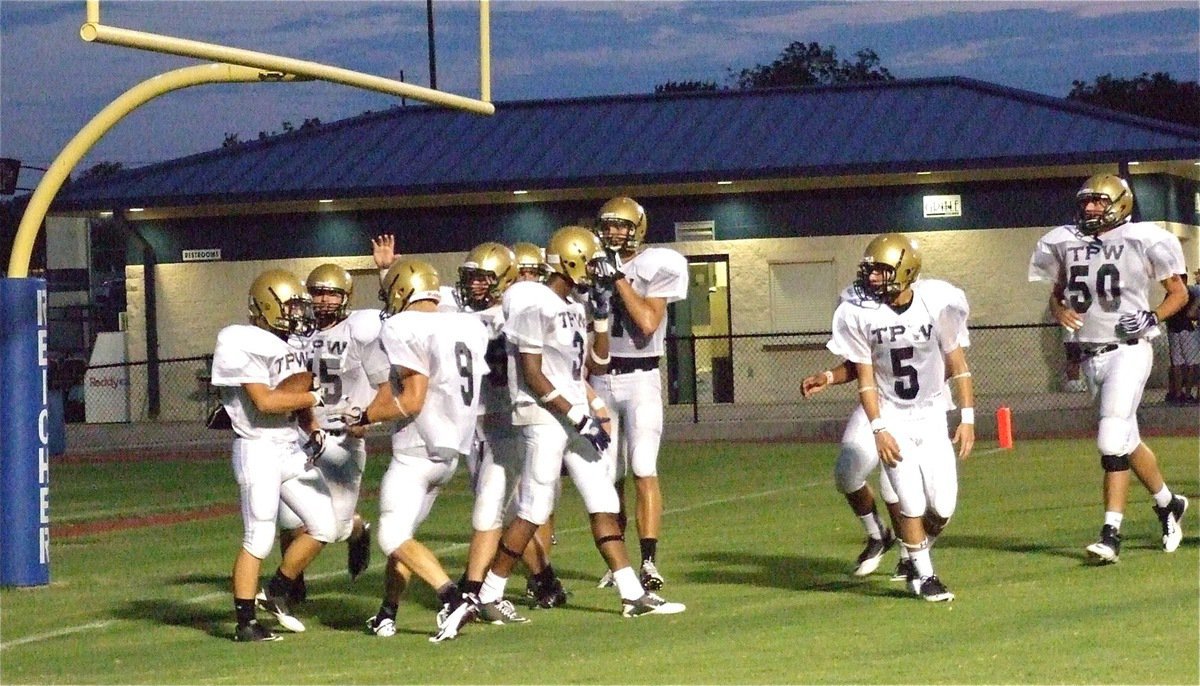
{"x":52,"y":83}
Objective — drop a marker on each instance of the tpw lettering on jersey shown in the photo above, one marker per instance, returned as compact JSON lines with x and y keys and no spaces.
{"x":334,"y":347}
{"x":571,"y":320}
{"x":1083,"y":253}
{"x":296,"y":360}
{"x":890,"y":334}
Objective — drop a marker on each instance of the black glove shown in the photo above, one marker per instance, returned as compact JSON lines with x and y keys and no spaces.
{"x":1134,"y":323}
{"x":603,"y":270}
{"x":592,"y":429}
{"x":601,"y":299}
{"x":315,"y":445}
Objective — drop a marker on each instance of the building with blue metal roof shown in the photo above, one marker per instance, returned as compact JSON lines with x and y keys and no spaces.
{"x":770,"y":193}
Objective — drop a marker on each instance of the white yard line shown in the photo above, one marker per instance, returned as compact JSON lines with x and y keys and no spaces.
{"x":209,"y":597}
{"x":37,"y":638}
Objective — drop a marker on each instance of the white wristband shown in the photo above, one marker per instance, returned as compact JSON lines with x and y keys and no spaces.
{"x":600,"y":360}
{"x":597,"y":404}
{"x":545,"y":399}
{"x":600,"y":325}
{"x":967,"y":415}
{"x":318,"y":398}
{"x":828,"y":377}
{"x":878,"y":425}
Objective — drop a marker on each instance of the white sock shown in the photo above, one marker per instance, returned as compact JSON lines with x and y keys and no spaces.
{"x":493,"y":587}
{"x":1163,"y":497}
{"x":922,"y":562}
{"x":1114,"y":519}
{"x":628,"y":584}
{"x":870,"y":524}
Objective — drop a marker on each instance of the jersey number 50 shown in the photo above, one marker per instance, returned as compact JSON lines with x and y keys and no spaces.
{"x":1107,"y":288}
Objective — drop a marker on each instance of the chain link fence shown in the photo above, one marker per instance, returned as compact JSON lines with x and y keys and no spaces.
{"x":705,"y":379}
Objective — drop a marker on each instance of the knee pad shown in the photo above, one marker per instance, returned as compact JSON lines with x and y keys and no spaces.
{"x":392,"y":536}
{"x":1115,"y":463}
{"x":934,"y":523}
{"x":853,"y":466}
{"x":259,"y":537}
{"x":1116,"y":436}
{"x":537,"y":502}
{"x":288,"y":520}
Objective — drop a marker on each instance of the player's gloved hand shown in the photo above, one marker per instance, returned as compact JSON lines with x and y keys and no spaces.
{"x":315,"y":445}
{"x":600,"y":298}
{"x":590,"y":427}
{"x":354,"y":416}
{"x":603,"y":270}
{"x":1134,"y":323}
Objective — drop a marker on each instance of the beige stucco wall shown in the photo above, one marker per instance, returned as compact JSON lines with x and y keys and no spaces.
{"x":195,"y":300}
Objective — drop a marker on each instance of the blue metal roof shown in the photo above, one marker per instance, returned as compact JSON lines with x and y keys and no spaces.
{"x":897,"y":126}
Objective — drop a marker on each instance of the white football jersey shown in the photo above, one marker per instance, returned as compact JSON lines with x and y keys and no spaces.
{"x":449,"y":301}
{"x":538,"y":321}
{"x":248,"y":354}
{"x":448,"y":348}
{"x":908,"y":349}
{"x":653,"y":273}
{"x":1107,"y":276}
{"x":348,"y":362}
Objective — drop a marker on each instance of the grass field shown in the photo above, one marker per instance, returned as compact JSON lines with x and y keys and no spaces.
{"x":757,"y":543}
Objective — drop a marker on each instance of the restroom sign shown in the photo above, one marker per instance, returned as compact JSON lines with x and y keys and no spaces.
{"x":943,"y":206}
{"x":202,"y":255}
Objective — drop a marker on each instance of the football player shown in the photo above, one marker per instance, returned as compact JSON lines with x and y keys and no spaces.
{"x":263,"y":380}
{"x":495,"y":463}
{"x":855,"y":462}
{"x":1101,"y":268}
{"x":438,"y":363}
{"x":904,"y":336}
{"x":562,"y":422}
{"x":646,"y":282}
{"x":350,"y":369}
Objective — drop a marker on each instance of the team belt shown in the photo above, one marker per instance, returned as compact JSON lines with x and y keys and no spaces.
{"x":1092,"y":352}
{"x":625,"y":365}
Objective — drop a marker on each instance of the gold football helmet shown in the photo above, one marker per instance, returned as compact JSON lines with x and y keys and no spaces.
{"x":899,"y":261}
{"x":280,"y":304}
{"x":1105,"y":188}
{"x":530,"y":260}
{"x":407,"y":282}
{"x":488,"y":263}
{"x":330,"y":278}
{"x":621,"y":214}
{"x":569,"y":251}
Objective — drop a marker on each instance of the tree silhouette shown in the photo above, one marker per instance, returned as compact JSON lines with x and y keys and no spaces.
{"x":1156,"y":95}
{"x":800,"y":64}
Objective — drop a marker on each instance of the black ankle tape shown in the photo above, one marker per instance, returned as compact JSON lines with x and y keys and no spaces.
{"x":511,"y":553}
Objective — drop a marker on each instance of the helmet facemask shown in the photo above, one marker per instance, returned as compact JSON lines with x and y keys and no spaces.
{"x":890,"y":265}
{"x":616,"y":234}
{"x":614,"y":218}
{"x":325,"y":280}
{"x":478,"y":289}
{"x":1114,"y":198}
{"x":529,"y":263}
{"x":292,"y":316}
{"x":329,"y":313}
